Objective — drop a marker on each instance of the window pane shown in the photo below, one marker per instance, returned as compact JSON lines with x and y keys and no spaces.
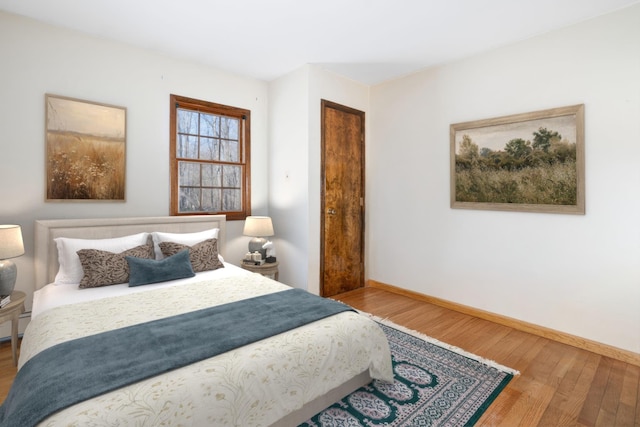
{"x":211,"y":200}
{"x":189,"y":174}
{"x":229,"y":151}
{"x":212,"y":176}
{"x":209,"y":148}
{"x":232,"y":200}
{"x":210,"y":158}
{"x":187,"y":147}
{"x":188,"y":121}
{"x":231,"y":176}
{"x":229,"y":128}
{"x":189,"y":199}
{"x":209,"y":125}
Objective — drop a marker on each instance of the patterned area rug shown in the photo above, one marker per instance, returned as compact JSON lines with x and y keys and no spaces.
{"x":435,"y":385}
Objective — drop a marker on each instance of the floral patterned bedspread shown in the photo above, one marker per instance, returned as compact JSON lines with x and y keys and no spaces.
{"x":254,"y":385}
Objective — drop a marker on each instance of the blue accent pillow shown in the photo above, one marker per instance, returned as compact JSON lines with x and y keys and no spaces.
{"x":145,"y":271}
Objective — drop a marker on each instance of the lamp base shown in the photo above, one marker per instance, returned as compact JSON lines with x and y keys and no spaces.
{"x":256,"y":244}
{"x":8,"y":274}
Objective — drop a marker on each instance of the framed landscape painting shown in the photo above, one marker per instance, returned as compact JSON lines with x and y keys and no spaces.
{"x":85,"y":150}
{"x":531,"y":162}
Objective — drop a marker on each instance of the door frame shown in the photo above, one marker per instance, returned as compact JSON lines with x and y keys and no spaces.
{"x":330,"y":104}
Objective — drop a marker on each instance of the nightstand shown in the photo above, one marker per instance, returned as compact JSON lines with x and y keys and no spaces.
{"x":12,"y":311}
{"x":268,"y":269}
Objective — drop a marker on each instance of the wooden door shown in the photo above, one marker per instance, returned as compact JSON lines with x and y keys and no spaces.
{"x":342,"y":217}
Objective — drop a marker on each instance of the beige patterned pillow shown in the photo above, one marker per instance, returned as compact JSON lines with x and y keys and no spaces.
{"x":203,"y":255}
{"x":104,"y":268}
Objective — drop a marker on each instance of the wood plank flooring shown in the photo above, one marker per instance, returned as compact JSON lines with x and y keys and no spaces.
{"x":7,"y":370}
{"x":558,"y":385}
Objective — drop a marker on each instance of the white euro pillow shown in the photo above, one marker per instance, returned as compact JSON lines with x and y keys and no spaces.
{"x":70,"y":271}
{"x":188,"y":239}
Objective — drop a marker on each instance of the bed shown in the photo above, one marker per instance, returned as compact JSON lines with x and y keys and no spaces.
{"x":281,"y":380}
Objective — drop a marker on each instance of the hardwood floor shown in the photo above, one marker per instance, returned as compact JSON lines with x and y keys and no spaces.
{"x":558,"y":385}
{"x":7,"y":370}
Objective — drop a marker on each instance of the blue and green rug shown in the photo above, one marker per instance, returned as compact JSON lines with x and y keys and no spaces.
{"x":435,"y":385}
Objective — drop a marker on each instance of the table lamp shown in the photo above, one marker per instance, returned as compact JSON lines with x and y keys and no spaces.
{"x":258,"y":227}
{"x":11,"y":246}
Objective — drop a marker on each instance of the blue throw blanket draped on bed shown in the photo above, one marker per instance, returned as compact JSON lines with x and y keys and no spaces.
{"x":71,"y":372}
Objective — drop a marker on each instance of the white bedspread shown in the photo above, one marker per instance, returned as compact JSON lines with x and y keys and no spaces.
{"x":251,"y":386}
{"x":54,"y":295}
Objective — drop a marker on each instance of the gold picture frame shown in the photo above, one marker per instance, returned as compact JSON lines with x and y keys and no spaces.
{"x":85,"y":150}
{"x":531,"y":162}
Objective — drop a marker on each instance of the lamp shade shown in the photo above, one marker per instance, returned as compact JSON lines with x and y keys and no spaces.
{"x":258,"y":226}
{"x":11,"y":245}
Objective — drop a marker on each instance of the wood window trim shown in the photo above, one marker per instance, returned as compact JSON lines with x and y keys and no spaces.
{"x":245,"y":152}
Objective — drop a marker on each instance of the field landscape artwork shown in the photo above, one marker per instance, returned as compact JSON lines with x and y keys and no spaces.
{"x":532,"y":162}
{"x":85,"y":150}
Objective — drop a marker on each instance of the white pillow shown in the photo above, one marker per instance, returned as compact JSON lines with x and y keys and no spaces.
{"x":70,"y":271}
{"x":188,"y":239}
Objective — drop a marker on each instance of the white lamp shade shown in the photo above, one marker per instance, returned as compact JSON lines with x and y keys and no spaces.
{"x":11,"y":244}
{"x":258,"y":226}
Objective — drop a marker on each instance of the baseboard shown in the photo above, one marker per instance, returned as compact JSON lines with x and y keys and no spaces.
{"x":565,"y":338}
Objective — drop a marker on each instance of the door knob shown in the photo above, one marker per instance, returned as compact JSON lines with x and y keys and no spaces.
{"x":331,"y":211}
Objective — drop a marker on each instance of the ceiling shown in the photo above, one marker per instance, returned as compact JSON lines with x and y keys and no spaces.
{"x":370,"y":41}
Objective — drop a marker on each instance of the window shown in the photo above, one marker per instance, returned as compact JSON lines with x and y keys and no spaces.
{"x":210,"y":168}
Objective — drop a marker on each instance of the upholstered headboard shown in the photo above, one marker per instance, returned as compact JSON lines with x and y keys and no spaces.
{"x":46,"y":253}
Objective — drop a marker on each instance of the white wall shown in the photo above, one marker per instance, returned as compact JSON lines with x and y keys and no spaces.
{"x":39,"y":59}
{"x":295,"y":163}
{"x":577,"y":274}
{"x":288,"y":174}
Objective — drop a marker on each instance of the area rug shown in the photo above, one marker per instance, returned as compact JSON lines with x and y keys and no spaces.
{"x":435,"y":385}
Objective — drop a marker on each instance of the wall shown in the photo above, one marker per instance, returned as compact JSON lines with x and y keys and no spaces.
{"x":577,"y":274}
{"x":288,"y":174}
{"x":295,"y":165}
{"x":39,"y":59}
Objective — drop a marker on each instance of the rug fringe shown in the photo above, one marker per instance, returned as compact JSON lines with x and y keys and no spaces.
{"x":439,"y":343}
